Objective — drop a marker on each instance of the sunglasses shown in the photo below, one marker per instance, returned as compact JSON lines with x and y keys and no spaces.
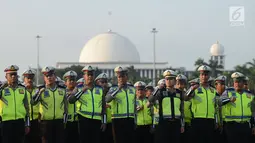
{"x":15,"y":74}
{"x":103,"y":81}
{"x":29,"y":76}
{"x":169,"y":78}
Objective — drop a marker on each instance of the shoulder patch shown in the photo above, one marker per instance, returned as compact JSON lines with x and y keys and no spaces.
{"x":7,"y":92}
{"x":46,"y":94}
{"x":41,"y":86}
{"x":199,"y":90}
{"x":131,"y":91}
{"x":97,"y":90}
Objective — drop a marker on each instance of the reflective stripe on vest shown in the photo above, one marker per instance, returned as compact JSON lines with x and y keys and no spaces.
{"x":52,"y":105}
{"x":240,"y":110}
{"x":33,"y":109}
{"x":90,"y":103}
{"x":143,"y":116}
{"x":123,"y":104}
{"x":202,"y":103}
{"x":12,"y":104}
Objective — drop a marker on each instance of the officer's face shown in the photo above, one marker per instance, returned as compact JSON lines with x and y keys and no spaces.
{"x":12,"y":77}
{"x":204,"y":76}
{"x":170,"y":81}
{"x":102,"y":83}
{"x":238,"y":84}
{"x":148,"y":92}
{"x":180,"y":84}
{"x":246,"y":85}
{"x":49,"y":79}
{"x":89,"y":77}
{"x":28,"y":80}
{"x":122,"y":79}
{"x":70,"y":83}
{"x":220,"y":87}
{"x":140,"y":92}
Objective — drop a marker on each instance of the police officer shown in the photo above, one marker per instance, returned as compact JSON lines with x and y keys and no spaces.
{"x":219,"y":102}
{"x":238,"y":112}
{"x":202,"y":108}
{"x":122,"y":100}
{"x":143,"y":115}
{"x":71,"y":130}
{"x":34,"y":134}
{"x":148,"y":90}
{"x":107,"y":135}
{"x":90,"y":108}
{"x":14,"y":108}
{"x":171,"y":110}
{"x":53,"y":107}
{"x":246,"y":83}
{"x":181,"y":84}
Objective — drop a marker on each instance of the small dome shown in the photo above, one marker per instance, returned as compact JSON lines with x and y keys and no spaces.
{"x":217,"y":49}
{"x":109,"y":47}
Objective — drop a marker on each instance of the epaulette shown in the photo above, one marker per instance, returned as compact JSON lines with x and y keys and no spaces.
{"x":130,"y":86}
{"x":79,"y":85}
{"x":21,"y":85}
{"x":61,"y":86}
{"x":247,"y":91}
{"x":230,"y":89}
{"x":41,"y":86}
{"x":114,"y":86}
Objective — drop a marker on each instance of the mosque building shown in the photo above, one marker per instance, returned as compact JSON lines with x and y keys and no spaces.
{"x":110,"y":49}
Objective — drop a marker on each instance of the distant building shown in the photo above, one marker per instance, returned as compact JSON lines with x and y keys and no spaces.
{"x":217,"y":54}
{"x":108,"y":50}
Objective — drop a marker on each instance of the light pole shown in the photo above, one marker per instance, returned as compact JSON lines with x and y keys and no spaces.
{"x":38,"y":46}
{"x":154,"y":31}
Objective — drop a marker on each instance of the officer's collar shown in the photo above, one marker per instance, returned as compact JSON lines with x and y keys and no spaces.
{"x":50,"y":88}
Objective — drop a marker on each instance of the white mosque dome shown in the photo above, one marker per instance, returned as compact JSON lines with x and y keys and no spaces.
{"x":217,"y":49}
{"x":109,"y":47}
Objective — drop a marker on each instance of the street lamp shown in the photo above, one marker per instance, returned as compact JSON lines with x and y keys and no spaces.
{"x":37,"y":71}
{"x":154,"y":31}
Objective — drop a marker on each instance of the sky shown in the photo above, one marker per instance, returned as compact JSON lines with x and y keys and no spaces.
{"x":186,"y":29}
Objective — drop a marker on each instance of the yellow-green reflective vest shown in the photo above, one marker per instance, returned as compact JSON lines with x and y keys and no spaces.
{"x":203,"y":103}
{"x":144,"y":115}
{"x":52,"y":104}
{"x":71,"y":112}
{"x":33,"y":109}
{"x":124,"y":103}
{"x":12,"y":103}
{"x":166,"y":106}
{"x":108,"y":113}
{"x":187,"y":111}
{"x":240,"y":110}
{"x":156,"y":113}
{"x":90,"y":103}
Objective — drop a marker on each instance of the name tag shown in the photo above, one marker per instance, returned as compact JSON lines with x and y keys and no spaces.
{"x":60,"y":92}
{"x":21,"y":91}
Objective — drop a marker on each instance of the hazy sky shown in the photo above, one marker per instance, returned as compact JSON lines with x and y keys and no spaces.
{"x":187,"y":29}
